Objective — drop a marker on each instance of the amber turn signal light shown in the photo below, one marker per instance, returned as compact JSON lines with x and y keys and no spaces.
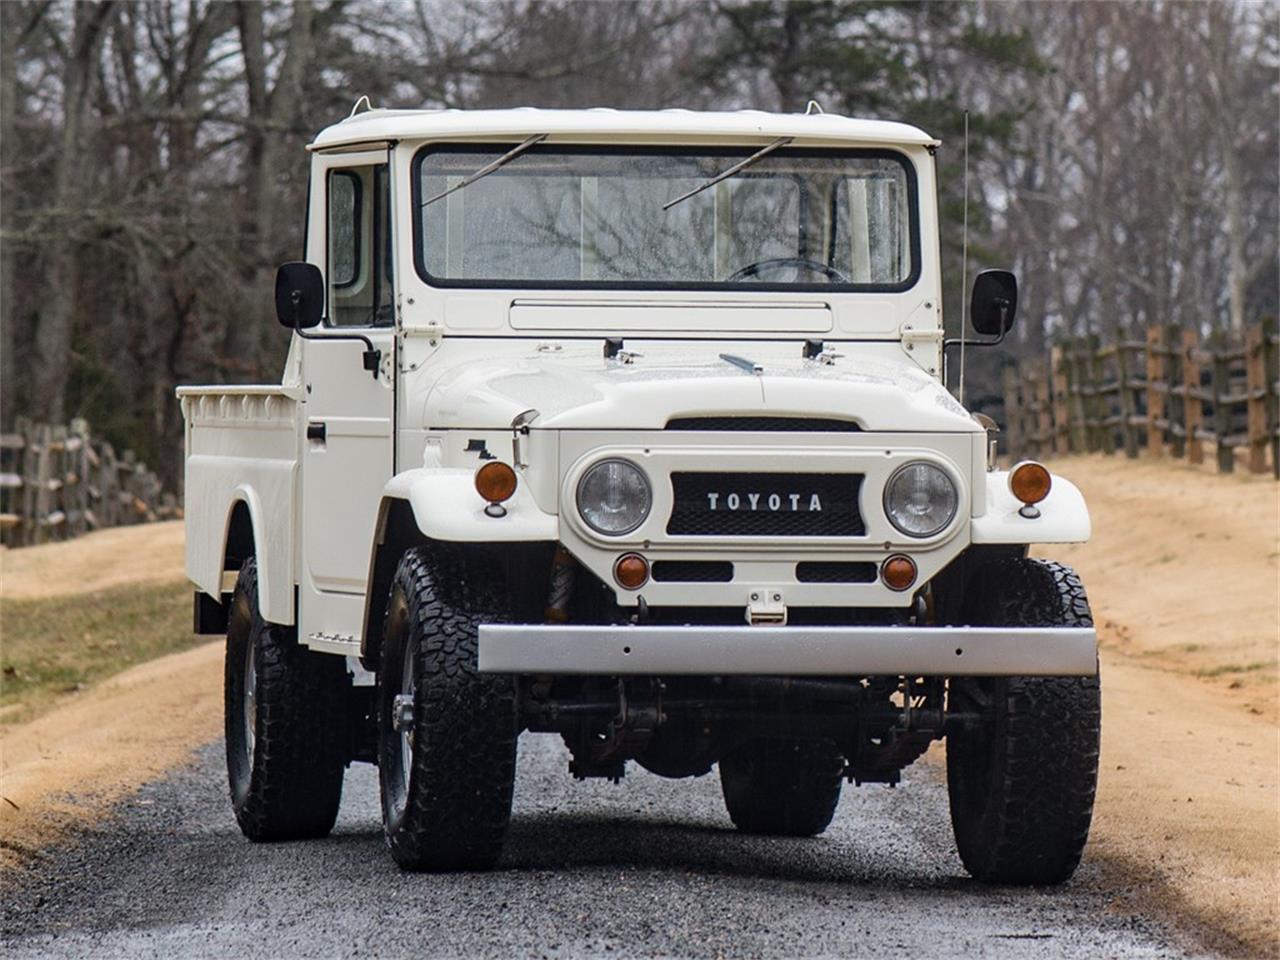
{"x":631,"y":571}
{"x":1030,"y":482}
{"x":898,"y":572}
{"x":496,"y":481}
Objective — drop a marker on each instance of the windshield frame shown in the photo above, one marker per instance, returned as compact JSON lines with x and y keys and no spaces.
{"x":731,"y":154}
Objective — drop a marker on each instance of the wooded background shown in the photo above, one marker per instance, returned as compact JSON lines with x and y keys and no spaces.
{"x":1124,"y":157}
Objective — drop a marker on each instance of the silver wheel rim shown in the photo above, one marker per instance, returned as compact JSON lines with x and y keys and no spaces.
{"x":250,"y":704}
{"x":406,"y":730}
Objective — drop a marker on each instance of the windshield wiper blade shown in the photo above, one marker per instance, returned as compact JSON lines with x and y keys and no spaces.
{"x":742,"y":363}
{"x":736,"y":168}
{"x":489,"y":168}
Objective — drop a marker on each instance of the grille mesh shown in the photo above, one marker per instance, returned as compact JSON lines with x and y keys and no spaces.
{"x":817,"y":571}
{"x":765,"y":424}
{"x":692,"y":571}
{"x":766,"y":505}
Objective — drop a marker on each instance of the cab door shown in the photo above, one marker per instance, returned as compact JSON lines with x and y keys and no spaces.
{"x":348,"y":447}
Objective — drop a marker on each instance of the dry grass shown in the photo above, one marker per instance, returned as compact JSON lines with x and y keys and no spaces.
{"x":54,"y":647}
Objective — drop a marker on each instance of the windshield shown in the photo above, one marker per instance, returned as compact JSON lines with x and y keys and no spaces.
{"x":556,"y":216}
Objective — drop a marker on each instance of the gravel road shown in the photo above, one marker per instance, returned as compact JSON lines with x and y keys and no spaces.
{"x":650,"y":867}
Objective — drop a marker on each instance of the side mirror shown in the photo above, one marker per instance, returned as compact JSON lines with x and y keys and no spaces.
{"x":994,"y":303}
{"x":300,"y":295}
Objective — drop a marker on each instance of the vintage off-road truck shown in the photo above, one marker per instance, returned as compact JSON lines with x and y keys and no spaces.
{"x":631,"y":427}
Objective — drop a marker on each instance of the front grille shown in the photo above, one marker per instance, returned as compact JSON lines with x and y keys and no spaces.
{"x":817,"y":571}
{"x":766,"y":505}
{"x":765,"y":424}
{"x":692,"y":571}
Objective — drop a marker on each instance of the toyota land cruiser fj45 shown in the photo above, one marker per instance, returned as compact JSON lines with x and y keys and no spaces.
{"x":631,"y":427}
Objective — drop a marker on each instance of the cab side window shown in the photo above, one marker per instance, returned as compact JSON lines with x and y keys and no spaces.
{"x":359,"y":247}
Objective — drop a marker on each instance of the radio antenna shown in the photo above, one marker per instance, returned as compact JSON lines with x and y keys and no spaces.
{"x":964,"y":260}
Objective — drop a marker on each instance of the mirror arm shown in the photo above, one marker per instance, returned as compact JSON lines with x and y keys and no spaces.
{"x":956,"y":341}
{"x":372,"y":355}
{"x":1004,"y":330}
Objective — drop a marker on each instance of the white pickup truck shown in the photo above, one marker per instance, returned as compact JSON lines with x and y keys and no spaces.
{"x":630,"y":427}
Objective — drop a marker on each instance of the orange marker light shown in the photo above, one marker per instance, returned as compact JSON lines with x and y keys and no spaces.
{"x":631,"y":571}
{"x":898,"y":572}
{"x":496,"y":481}
{"x":1030,"y":482}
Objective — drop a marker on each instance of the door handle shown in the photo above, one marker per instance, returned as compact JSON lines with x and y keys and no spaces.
{"x":316,"y":431}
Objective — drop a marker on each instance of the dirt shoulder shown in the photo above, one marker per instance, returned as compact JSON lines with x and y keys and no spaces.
{"x":72,"y":613}
{"x":147,"y":553}
{"x":68,"y":767}
{"x":1182,"y":575}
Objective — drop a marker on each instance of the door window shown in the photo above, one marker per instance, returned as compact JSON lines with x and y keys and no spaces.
{"x":359,"y":255}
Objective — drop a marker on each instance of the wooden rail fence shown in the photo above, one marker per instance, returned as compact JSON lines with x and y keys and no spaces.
{"x":57,"y":482}
{"x":1169,"y":393}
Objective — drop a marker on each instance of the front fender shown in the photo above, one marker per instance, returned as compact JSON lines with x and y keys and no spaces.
{"x":1064,"y":517}
{"x":446,"y":507}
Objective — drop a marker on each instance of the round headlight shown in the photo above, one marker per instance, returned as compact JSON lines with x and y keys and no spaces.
{"x":920,"y":499}
{"x":614,"y":497}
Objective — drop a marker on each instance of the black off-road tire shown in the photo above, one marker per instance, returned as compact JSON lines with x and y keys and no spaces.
{"x":785,"y":788}
{"x":1022,"y":782}
{"x":285,"y":772}
{"x":451,"y":811}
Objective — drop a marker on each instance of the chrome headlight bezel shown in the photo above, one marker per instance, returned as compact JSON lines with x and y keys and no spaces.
{"x":637,"y":521}
{"x":892,"y":509}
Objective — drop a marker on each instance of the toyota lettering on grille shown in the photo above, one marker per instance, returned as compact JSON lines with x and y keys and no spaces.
{"x":759,"y":504}
{"x":793,"y":502}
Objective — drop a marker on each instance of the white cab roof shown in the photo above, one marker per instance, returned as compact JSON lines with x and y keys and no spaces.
{"x":657,"y":126}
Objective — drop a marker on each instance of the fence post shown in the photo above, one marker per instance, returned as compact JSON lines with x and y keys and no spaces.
{"x":1255,"y":365}
{"x":1271,"y":373}
{"x":1157,"y":387}
{"x":1128,"y":411}
{"x":1175,"y":402}
{"x":1192,"y":395}
{"x":1221,"y":390}
{"x":1060,"y":391}
{"x":26,"y":534}
{"x":1013,"y":435}
{"x":1043,"y":408}
{"x":1076,"y":383}
{"x":12,"y":449}
{"x":1104,"y":438}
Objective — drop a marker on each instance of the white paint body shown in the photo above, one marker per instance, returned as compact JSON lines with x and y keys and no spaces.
{"x":460,"y":364}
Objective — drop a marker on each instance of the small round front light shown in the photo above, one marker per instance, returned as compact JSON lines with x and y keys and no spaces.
{"x":920,"y":499}
{"x":898,"y":572}
{"x":614,"y":497}
{"x":496,"y":481}
{"x":1030,"y":482}
{"x":631,"y":571}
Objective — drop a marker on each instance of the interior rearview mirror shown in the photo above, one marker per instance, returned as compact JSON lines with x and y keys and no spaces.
{"x":994,"y":303}
{"x":300,"y":295}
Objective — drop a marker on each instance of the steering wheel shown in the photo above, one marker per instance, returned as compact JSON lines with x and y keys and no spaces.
{"x":798,"y":266}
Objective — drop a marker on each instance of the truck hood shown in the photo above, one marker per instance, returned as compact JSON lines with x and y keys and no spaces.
{"x":574,"y":387}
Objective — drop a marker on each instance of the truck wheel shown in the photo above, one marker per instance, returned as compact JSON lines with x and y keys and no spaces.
{"x":1021,"y":782}
{"x":284,"y":714}
{"x":786,"y":788}
{"x":447,"y":734}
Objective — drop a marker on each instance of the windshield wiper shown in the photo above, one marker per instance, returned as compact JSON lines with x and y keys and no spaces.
{"x":736,"y":168}
{"x":489,"y":168}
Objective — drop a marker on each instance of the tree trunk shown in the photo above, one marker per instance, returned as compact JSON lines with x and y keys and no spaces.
{"x":271,"y":114}
{"x":53,"y":332}
{"x":9,"y":26}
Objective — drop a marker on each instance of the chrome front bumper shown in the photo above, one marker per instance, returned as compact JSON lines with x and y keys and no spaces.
{"x":790,"y":651}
